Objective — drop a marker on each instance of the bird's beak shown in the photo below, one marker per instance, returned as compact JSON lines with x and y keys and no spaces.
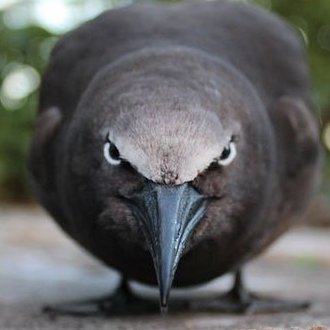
{"x":167,"y":216}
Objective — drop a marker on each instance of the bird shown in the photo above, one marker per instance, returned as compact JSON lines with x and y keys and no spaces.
{"x":175,"y":143}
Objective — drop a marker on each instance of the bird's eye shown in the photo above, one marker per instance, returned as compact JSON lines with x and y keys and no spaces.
{"x":111,"y":153}
{"x":228,"y":154}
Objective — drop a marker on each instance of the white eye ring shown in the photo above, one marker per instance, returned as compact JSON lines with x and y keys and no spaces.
{"x":111,"y":159}
{"x":231,"y":148}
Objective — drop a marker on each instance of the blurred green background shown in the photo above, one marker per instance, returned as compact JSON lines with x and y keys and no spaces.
{"x":29,"y":29}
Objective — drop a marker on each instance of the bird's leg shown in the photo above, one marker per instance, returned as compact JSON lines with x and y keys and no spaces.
{"x":121,"y":302}
{"x":240,"y":300}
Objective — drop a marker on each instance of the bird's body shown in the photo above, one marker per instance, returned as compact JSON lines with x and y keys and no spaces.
{"x":172,"y":85}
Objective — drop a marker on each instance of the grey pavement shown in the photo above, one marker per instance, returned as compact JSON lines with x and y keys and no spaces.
{"x":39,"y":265}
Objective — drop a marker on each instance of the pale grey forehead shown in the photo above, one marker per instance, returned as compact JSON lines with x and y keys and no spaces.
{"x":176,"y":144}
{"x":196,"y":128}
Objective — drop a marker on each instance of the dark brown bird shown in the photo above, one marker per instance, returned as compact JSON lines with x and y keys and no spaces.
{"x":175,"y":142}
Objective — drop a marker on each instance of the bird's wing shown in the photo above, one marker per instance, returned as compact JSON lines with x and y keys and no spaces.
{"x":42,"y":158}
{"x":298,"y":132}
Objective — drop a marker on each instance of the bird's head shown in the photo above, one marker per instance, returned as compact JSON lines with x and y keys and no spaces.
{"x":170,"y":142}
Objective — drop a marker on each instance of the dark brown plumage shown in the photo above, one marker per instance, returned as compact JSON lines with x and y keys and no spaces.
{"x":167,"y":94}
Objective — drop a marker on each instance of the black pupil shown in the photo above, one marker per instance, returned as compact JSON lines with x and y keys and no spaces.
{"x":226,"y":152}
{"x":113,"y":151}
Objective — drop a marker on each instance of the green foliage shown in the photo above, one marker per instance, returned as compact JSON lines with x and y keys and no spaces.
{"x":312,"y":19}
{"x":24,"y":49}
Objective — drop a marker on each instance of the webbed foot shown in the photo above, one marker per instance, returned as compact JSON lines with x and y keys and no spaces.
{"x":121,"y":302}
{"x":239,"y":300}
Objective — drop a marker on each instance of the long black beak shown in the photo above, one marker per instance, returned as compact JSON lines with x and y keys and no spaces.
{"x":167,"y":215}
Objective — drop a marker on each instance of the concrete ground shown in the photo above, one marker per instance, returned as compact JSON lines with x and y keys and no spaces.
{"x":39,"y":265}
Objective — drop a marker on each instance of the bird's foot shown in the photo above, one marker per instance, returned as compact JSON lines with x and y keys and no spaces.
{"x":122,"y":302}
{"x":228,"y":303}
{"x":239,"y":300}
